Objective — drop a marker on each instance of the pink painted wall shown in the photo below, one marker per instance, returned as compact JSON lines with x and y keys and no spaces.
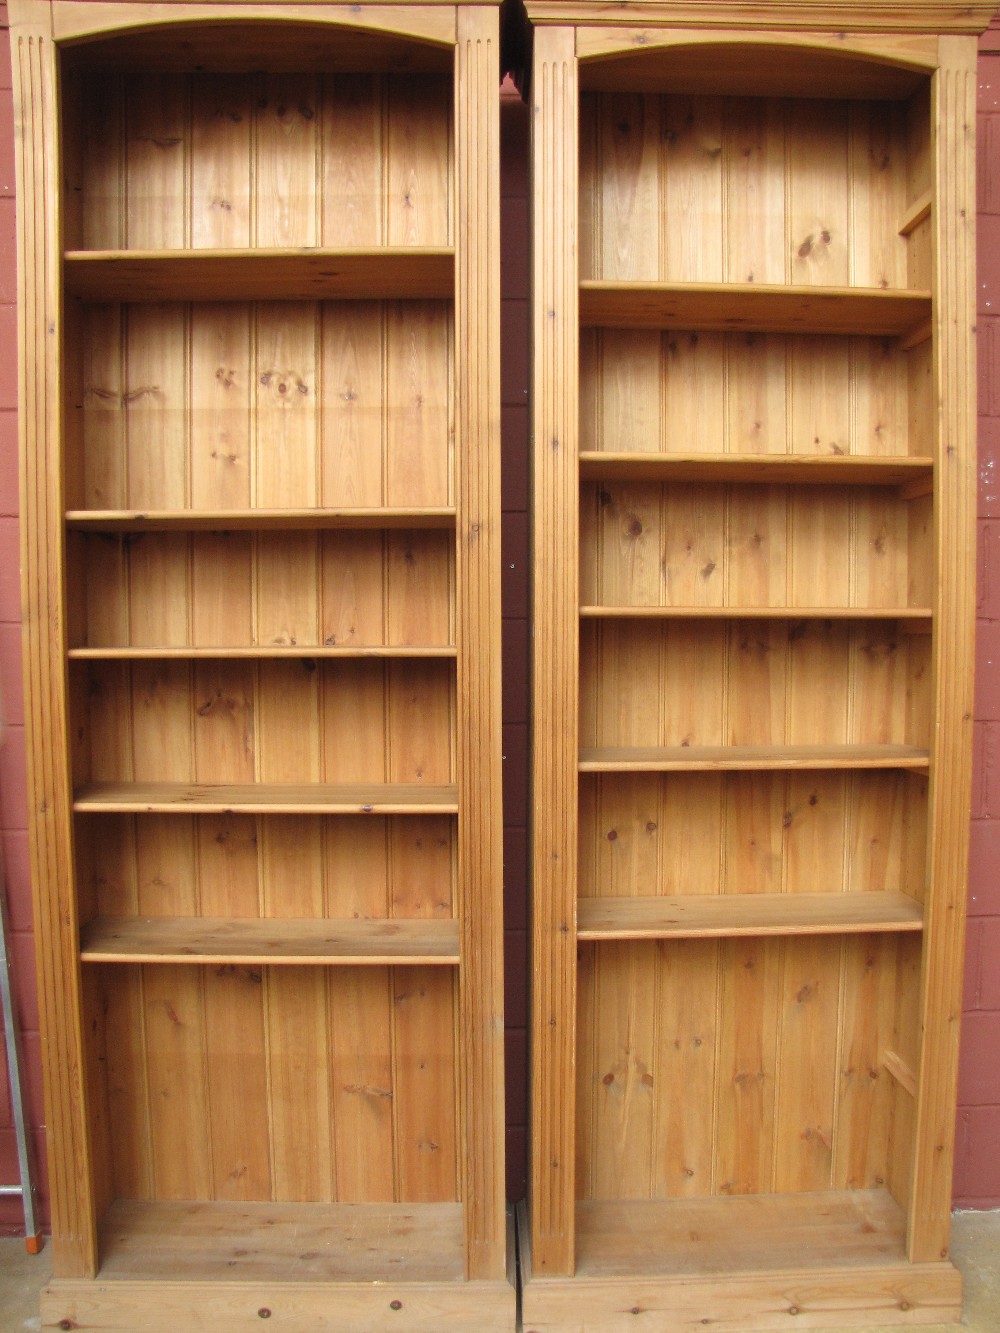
{"x":977,"y":1173}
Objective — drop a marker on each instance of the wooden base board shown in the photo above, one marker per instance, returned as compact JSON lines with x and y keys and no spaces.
{"x":333,"y":1268}
{"x":745,"y":1303}
{"x":247,"y":1307}
{"x":680,"y":1286}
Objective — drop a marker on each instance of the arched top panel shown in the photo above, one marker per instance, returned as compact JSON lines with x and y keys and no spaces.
{"x":754,"y":64}
{"x":226,"y":39}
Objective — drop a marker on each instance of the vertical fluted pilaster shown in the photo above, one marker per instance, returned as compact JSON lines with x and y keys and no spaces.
{"x":556,"y":650}
{"x":49,"y":789}
{"x":480,"y":855}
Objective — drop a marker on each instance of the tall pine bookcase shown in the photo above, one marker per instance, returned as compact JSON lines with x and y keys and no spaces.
{"x":754,"y":470}
{"x":259,"y":314}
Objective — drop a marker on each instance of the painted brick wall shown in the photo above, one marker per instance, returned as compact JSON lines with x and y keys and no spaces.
{"x":977,"y":1177}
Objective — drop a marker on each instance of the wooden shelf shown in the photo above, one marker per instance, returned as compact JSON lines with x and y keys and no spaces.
{"x":723,"y":915}
{"x":762,"y":469}
{"x":748,"y":758}
{"x":255,"y":520}
{"x":397,"y":273}
{"x":752,"y":307}
{"x":755,"y":612}
{"x":740,"y":1233}
{"x":267,"y":651}
{"x":247,"y":940}
{"x":266,"y":798}
{"x":282,"y":1242}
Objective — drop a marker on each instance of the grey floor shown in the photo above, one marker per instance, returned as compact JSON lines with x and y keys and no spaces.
{"x":975,"y":1246}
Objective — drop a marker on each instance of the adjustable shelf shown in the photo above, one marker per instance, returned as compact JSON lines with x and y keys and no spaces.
{"x":261,"y":274}
{"x":761,"y":469}
{"x":707,"y":916}
{"x":265,"y":798}
{"x":752,"y":307}
{"x":289,"y":941}
{"x":262,"y":652}
{"x":257,"y":520}
{"x":755,"y":612}
{"x":748,"y":758}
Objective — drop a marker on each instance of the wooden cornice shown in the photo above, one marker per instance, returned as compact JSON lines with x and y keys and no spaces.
{"x":844,"y":15}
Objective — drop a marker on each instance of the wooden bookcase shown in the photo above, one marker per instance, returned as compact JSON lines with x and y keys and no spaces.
{"x":259,"y":274}
{"x":754,"y":471}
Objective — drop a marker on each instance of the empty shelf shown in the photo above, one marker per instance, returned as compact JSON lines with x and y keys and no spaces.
{"x":750,"y":758}
{"x":249,"y":940}
{"x":256,"y":520}
{"x":721,"y":915}
{"x":755,"y":612}
{"x":763,"y":469}
{"x":266,"y":798}
{"x":146,"y":652}
{"x":401,"y":272}
{"x":752,"y":307}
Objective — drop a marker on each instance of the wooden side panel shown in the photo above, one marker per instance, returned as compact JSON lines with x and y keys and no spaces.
{"x":555,"y":678}
{"x":953,"y":100}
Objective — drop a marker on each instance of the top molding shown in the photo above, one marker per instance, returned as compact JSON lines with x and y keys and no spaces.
{"x":816,"y":16}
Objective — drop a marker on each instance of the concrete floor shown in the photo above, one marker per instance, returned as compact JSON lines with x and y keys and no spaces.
{"x":975,"y":1246}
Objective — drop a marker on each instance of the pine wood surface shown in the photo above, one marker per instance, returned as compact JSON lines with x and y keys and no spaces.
{"x":721,"y":62}
{"x":555,"y":666}
{"x":50,"y":835}
{"x":950,"y":797}
{"x":664,"y":759}
{"x":235,"y":1241}
{"x":756,"y":308}
{"x":262,"y":797}
{"x":258,"y":275}
{"x":761,"y":469}
{"x":342,"y":1306}
{"x":753,"y":829}
{"x":259,"y":519}
{"x":290,"y":941}
{"x":839,"y":16}
{"x":478,"y":634}
{"x":707,"y":916}
{"x":357,"y":591}
{"x":276,"y":518}
{"x":761,"y":612}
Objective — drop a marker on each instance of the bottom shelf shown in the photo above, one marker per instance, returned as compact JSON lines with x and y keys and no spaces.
{"x":738,"y":1233}
{"x":737,"y":1264}
{"x":279,"y":1242}
{"x":345,"y":1268}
